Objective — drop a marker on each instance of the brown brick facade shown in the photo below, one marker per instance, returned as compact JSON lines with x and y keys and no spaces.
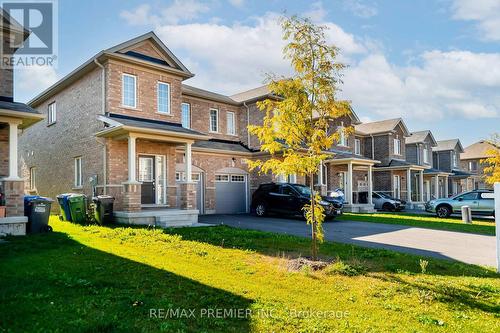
{"x":4,"y":150}
{"x":147,"y":82}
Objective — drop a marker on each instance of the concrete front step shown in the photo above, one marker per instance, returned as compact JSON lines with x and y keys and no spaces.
{"x":14,"y":225}
{"x":359,"y":208}
{"x":164,"y":218}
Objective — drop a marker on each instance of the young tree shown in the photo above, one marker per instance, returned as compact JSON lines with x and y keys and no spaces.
{"x":296,"y":129}
{"x":492,"y":171}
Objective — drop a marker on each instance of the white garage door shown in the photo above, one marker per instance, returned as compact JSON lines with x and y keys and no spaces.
{"x":230,"y":193}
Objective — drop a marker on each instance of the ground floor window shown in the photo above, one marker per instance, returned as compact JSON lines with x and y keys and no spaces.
{"x":78,"y":172}
{"x":32,"y":178}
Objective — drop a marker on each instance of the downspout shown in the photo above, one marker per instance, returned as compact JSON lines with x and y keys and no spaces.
{"x":248,"y":123}
{"x":103,"y":111}
{"x":373,"y":147}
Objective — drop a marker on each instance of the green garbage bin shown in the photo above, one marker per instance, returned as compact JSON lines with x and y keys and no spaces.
{"x":78,"y":208}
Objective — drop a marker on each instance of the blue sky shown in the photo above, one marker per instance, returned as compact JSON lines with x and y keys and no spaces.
{"x":434,"y":63}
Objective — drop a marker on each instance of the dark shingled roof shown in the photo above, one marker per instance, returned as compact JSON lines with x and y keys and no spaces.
{"x":432,"y":171}
{"x":339,"y":154}
{"x":197,"y":92}
{"x":460,"y":174}
{"x":395,"y":163}
{"x":151,"y":124}
{"x":18,"y":107}
{"x":223,"y":145}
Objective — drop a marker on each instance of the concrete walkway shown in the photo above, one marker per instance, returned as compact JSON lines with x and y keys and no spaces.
{"x":464,"y":247}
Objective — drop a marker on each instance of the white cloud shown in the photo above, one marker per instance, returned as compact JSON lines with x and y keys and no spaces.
{"x":444,"y":85}
{"x":359,"y":8}
{"x":486,"y":14}
{"x":30,"y":81}
{"x":237,"y":3}
{"x":317,"y":13}
{"x":239,"y":55}
{"x":178,"y":11}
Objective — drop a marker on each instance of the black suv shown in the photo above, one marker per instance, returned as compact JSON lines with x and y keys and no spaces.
{"x":286,"y":198}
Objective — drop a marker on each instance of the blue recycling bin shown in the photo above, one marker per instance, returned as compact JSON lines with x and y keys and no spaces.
{"x":65,"y":213}
{"x":27,"y":200}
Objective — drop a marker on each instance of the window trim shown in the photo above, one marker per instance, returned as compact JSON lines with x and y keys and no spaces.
{"x":342,"y":137}
{"x":425,"y":153}
{"x":217,"y":120}
{"x":398,"y":145}
{"x":189,"y":115}
{"x":78,"y":177}
{"x":169,"y":99}
{"x":51,"y":113}
{"x":33,"y":178}
{"x":357,"y":146}
{"x":223,"y":175}
{"x":238,"y":181}
{"x":135,"y":91}
{"x":233,"y":123}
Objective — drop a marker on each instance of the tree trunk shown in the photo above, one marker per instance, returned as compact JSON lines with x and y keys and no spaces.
{"x":314,"y":245}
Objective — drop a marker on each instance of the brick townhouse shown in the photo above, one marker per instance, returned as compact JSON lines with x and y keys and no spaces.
{"x":470,"y":161}
{"x":14,"y":117}
{"x":125,"y":124}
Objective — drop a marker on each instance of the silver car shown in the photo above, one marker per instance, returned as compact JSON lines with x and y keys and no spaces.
{"x":477,"y":200}
{"x":384,"y":201}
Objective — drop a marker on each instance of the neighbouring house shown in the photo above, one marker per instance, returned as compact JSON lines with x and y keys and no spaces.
{"x":470,"y":160}
{"x":446,"y":158}
{"x":14,"y":117}
{"x":419,"y":151}
{"x":385,"y":141}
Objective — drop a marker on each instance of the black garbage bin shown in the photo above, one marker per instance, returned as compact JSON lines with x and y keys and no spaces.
{"x":37,"y":209}
{"x":103,"y":208}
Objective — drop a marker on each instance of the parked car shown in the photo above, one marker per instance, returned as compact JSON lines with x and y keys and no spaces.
{"x":289,"y":199}
{"x":476,"y":200}
{"x":384,"y":201}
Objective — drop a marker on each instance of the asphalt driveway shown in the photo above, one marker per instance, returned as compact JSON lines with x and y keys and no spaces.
{"x":464,"y":247}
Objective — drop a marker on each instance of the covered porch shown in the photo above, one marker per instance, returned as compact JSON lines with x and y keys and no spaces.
{"x":436,"y":184}
{"x":403,"y":181}
{"x":460,"y":181}
{"x":13,"y":117}
{"x":352,"y":175}
{"x":145,"y":185}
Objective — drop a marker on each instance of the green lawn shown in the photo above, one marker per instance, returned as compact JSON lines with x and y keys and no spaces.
{"x":479,"y":226}
{"x":101,"y":279}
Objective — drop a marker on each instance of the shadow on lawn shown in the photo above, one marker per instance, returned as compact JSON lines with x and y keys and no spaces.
{"x":289,"y":246}
{"x":51,"y":282}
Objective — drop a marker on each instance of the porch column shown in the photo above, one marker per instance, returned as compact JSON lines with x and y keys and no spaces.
{"x":370,"y":185}
{"x":131,"y":159}
{"x":446,"y":184}
{"x":421,"y":181}
{"x":188,"y":160}
{"x":13,"y":164}
{"x":131,"y":200}
{"x":408,"y":185}
{"x":349,"y":183}
{"x":436,"y":187}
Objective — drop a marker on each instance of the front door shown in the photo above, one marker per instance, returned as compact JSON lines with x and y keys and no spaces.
{"x":147,"y":177}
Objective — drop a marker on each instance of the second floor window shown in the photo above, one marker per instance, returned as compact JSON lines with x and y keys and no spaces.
{"x":473,"y":166}
{"x":163,"y":97}
{"x":186,"y":115}
{"x":78,"y":172}
{"x":342,"y":136}
{"x":397,"y":147}
{"x":454,"y":158}
{"x":52,"y":113}
{"x":214,"y":120}
{"x":425,"y":153}
{"x":129,"y":87}
{"x":357,"y":146}
{"x":231,"y":128}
